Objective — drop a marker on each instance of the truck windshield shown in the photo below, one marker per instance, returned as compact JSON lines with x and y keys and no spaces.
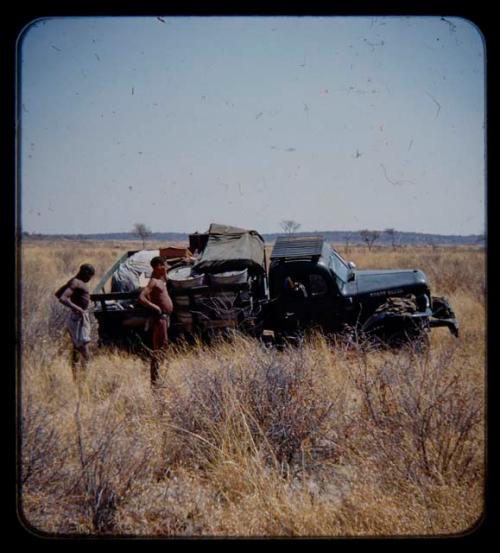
{"x":338,"y":266}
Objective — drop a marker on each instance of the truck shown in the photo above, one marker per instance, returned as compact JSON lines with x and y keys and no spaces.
{"x":223,"y":282}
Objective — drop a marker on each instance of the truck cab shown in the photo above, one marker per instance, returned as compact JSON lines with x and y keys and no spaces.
{"x":312,"y":285}
{"x":325,"y":278}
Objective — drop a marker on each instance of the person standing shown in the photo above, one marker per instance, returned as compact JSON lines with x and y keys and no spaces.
{"x":156,"y":298}
{"x":76,"y":296}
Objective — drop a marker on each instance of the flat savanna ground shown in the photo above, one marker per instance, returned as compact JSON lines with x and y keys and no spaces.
{"x":240,"y":440}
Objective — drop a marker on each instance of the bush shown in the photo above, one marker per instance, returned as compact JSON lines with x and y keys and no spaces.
{"x":43,"y":452}
{"x":111,"y":459}
{"x":420,"y":417}
{"x":273,"y":402}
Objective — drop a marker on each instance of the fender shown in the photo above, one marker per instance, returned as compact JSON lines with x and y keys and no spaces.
{"x":417,"y":318}
{"x":388,"y":318}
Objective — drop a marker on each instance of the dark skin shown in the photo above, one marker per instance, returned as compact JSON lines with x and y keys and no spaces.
{"x":76,"y":297}
{"x":157,"y":286}
{"x":295,"y":287}
{"x":156,"y":298}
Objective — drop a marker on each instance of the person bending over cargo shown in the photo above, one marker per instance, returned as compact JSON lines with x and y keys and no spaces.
{"x":156,"y":298}
{"x":75,"y":295}
{"x":295,"y":289}
{"x":293,"y":305}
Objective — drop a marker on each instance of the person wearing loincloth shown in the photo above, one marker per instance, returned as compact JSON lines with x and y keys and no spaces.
{"x":75,"y":295}
{"x":156,"y":298}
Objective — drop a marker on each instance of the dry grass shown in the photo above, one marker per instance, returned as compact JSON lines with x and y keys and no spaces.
{"x":240,"y":440}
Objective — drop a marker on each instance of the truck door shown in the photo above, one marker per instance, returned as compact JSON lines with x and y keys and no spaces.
{"x":312,"y":307}
{"x":321,"y":302}
{"x":316,"y":306}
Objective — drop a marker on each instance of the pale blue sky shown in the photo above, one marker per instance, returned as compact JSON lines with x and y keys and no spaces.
{"x":340,"y":123}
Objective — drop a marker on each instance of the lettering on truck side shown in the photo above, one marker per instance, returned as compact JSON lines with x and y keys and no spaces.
{"x":386,"y":292}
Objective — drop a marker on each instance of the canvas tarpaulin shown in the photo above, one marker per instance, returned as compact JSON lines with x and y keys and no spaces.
{"x":126,"y":277}
{"x":231,"y":249}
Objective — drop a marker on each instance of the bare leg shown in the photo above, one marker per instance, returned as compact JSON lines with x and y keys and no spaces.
{"x":155,"y":367}
{"x":159,"y":343}
{"x":75,"y":358}
{"x":85,"y":351}
{"x":79,"y":361}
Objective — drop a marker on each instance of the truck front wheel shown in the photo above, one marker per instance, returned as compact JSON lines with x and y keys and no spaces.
{"x":392,"y":326}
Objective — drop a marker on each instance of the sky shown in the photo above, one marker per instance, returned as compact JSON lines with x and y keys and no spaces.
{"x":337,"y":123}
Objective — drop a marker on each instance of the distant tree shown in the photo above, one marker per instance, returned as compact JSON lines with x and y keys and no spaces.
{"x":393,"y":236}
{"x":289,"y":226}
{"x":143,"y":232}
{"x":370,"y":237}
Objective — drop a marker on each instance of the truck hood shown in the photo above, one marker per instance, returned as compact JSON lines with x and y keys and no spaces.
{"x":385,"y":282}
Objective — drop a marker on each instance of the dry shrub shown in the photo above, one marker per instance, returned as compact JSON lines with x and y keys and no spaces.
{"x":43,"y":452}
{"x":112,"y":456}
{"x":42,"y":317}
{"x":45,"y":467}
{"x":454,"y":272}
{"x":272,"y":400}
{"x":180,"y":505}
{"x":83,"y":445}
{"x":421,"y":418}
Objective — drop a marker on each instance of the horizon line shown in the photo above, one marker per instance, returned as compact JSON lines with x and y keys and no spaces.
{"x":153,"y":233}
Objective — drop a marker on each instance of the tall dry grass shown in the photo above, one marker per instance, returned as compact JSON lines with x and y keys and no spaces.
{"x":241,"y":440}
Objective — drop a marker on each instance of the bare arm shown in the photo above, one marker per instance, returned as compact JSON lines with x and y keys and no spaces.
{"x":65,"y":299}
{"x":144,"y":298}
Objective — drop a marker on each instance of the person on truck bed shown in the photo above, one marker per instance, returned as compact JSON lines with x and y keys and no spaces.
{"x":156,"y":298}
{"x":75,"y":295}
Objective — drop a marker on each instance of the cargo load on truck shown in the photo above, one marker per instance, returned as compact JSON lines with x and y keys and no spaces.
{"x":222,"y":289}
{"x":231,"y":249}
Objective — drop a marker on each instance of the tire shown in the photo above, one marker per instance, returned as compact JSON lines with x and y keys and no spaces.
{"x":416,"y":340}
{"x":400,"y":306}
{"x":398,"y":333}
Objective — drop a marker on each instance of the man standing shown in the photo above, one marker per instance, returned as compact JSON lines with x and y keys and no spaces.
{"x":75,"y":295}
{"x":156,"y":298}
